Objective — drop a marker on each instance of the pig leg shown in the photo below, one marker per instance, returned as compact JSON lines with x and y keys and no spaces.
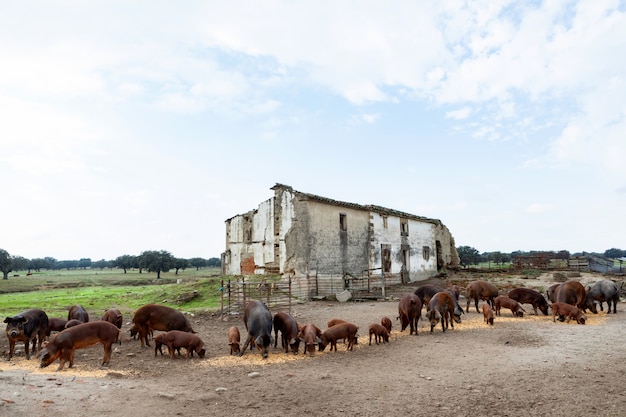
{"x":249,"y":342}
{"x":107,"y":353}
{"x":26,"y":351}
{"x":71,"y":357}
{"x":11,"y":349}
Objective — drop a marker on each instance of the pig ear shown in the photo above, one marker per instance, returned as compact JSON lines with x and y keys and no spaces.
{"x":8,"y":319}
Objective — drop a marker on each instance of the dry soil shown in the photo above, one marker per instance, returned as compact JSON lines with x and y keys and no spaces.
{"x":526,"y":366}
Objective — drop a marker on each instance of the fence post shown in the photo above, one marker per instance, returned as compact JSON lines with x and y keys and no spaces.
{"x":243,"y":289}
{"x":230,"y":301}
{"x":222,"y":299}
{"x":289,"y":294}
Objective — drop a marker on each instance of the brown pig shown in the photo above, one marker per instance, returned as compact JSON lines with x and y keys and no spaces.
{"x":386,"y":323}
{"x":157,"y":317}
{"x":346,"y":331}
{"x":63,"y":345}
{"x":572,"y":312}
{"x":503,"y":301}
{"x":488,"y":314}
{"x":176,"y":339}
{"x":311,"y":336}
{"x":233,"y":339}
{"x":380,"y":333}
{"x":114,"y":316}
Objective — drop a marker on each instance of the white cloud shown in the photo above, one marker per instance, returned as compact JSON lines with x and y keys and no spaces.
{"x":539,"y":208}
{"x":459,"y":114}
{"x":365,"y":118}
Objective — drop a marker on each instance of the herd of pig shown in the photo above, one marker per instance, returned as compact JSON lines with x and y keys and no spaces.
{"x":569,"y":300}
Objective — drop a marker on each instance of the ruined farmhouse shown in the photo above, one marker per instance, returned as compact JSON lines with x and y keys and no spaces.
{"x":300,"y":235}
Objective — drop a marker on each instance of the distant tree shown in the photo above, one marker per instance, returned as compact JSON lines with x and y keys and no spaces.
{"x":614,"y":253}
{"x":499,"y":258}
{"x":68,"y":264}
{"x":198,"y":263}
{"x":6,"y":263}
{"x":468,"y":256}
{"x":20,"y":263}
{"x":36,"y":264}
{"x":101,"y":264}
{"x":125,"y":262}
{"x":84,"y":263}
{"x":51,"y":263}
{"x":180,"y":263}
{"x":157,"y":261}
{"x":214,"y":262}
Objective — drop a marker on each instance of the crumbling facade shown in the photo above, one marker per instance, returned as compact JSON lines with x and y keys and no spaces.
{"x":298,"y":234}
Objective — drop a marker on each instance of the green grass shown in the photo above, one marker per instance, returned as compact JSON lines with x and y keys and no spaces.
{"x":54,"y":291}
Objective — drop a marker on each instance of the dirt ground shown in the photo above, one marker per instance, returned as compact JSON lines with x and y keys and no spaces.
{"x":520,"y":366}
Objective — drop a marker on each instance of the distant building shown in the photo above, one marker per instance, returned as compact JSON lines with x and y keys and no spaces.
{"x":299,"y":235}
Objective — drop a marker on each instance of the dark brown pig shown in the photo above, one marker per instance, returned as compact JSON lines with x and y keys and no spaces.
{"x":551,"y":291}
{"x":29,"y":325}
{"x":488,"y":314}
{"x":409,"y":312}
{"x":569,"y":311}
{"x":288,"y":328}
{"x":55,"y":325}
{"x":506,"y":302}
{"x":311,"y":336}
{"x":152,"y":317}
{"x":480,"y":290}
{"x":573,"y":292}
{"x":113,"y":316}
{"x":133,"y":332}
{"x":63,"y":345}
{"x":176,"y":339}
{"x":72,"y":323}
{"x":78,"y":313}
{"x":426,"y":292}
{"x":530,"y":296}
{"x":379,"y":332}
{"x":443,"y":307}
{"x":258,"y":321}
{"x":346,"y":331}
{"x":233,"y":339}
{"x":386,"y":323}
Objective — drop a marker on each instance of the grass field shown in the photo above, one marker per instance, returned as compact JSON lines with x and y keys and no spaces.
{"x":55,"y":291}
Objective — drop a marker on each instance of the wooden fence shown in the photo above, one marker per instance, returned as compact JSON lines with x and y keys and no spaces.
{"x":281,"y":295}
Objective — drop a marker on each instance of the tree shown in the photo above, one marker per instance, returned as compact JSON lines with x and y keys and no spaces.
{"x":215,"y":262}
{"x":125,"y":262}
{"x":197,"y":263}
{"x":468,"y":255}
{"x":157,"y":261}
{"x":84,"y":263}
{"x":180,"y":263}
{"x":41,"y":263}
{"x":20,"y":263}
{"x":6,"y":263}
{"x":101,"y":264}
{"x":614,"y":253}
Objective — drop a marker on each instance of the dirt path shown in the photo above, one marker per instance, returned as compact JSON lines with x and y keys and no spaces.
{"x":520,"y":366}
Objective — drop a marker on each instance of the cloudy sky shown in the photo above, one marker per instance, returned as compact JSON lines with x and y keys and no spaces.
{"x":132,"y":125}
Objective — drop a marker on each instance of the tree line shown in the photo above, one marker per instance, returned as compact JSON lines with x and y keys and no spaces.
{"x":151,"y":261}
{"x":469,"y":256}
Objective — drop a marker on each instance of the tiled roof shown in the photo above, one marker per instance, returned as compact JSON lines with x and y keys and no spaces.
{"x":369,"y":207}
